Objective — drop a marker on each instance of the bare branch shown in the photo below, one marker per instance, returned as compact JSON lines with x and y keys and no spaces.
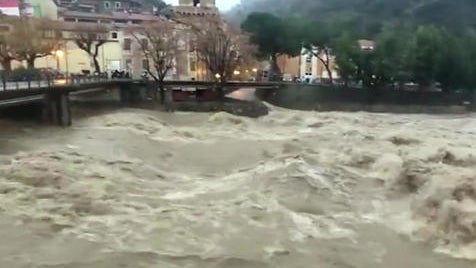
{"x":28,"y":39}
{"x":160,"y":48}
{"x":221,"y":48}
{"x":90,"y":39}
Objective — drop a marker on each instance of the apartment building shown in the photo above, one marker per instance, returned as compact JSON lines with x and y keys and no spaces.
{"x":121,"y":51}
{"x":102,"y":6}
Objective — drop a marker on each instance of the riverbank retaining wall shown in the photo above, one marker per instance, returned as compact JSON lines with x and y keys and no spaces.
{"x":314,"y":97}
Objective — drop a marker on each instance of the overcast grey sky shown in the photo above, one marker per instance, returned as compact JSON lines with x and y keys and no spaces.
{"x":223,"y":5}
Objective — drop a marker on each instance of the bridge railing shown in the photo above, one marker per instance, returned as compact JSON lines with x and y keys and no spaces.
{"x":25,"y":83}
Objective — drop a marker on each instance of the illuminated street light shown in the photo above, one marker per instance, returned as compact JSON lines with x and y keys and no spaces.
{"x":217,"y":76}
{"x":236,"y":72}
{"x":59,"y":53}
{"x":255,"y":70}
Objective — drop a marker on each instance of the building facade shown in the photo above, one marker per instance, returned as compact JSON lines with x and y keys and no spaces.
{"x":190,"y":65}
{"x":121,"y":51}
{"x":312,"y":69}
{"x":101,"y":6}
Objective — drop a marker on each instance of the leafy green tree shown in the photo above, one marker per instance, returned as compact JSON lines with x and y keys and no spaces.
{"x":392,"y":57}
{"x":469,"y":43}
{"x":269,"y":33}
{"x":347,"y":55}
{"x":317,"y":38}
{"x":427,"y":51}
{"x":454,"y":69}
{"x":369,"y":16}
{"x":413,"y":43}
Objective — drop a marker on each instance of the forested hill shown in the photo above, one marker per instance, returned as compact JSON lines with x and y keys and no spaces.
{"x":367,"y":15}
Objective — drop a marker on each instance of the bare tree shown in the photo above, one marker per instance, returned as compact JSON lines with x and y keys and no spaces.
{"x":7,"y":53}
{"x":90,"y":39}
{"x":158,"y":42}
{"x":34,"y":38}
{"x":26,"y":39}
{"x":222,"y":49}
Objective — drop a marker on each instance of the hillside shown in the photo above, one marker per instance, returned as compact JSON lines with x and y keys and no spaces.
{"x":367,"y":15}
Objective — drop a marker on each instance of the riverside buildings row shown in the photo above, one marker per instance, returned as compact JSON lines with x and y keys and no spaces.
{"x":121,"y":51}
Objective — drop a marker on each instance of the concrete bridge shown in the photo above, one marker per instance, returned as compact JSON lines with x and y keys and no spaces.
{"x":54,"y":96}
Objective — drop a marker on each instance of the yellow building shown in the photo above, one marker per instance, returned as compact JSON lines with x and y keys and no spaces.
{"x":121,"y":51}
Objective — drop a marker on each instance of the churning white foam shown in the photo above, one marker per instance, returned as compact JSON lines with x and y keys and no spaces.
{"x":298,"y":178}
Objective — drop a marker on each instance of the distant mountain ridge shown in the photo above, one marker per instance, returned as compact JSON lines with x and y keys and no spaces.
{"x":367,"y":15}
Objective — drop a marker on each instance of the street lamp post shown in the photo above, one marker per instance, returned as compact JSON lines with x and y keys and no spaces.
{"x":58,"y":53}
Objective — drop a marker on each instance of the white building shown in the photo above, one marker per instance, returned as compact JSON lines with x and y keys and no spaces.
{"x":312,"y":69}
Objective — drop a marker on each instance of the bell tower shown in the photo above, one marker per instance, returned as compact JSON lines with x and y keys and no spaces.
{"x":201,"y":3}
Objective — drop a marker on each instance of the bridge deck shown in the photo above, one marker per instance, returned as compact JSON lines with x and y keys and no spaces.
{"x":14,"y":90}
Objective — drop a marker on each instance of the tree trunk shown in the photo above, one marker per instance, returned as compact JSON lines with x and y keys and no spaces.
{"x":161,"y":73}
{"x":221,"y":92}
{"x":96,"y":65}
{"x":326,"y":63}
{"x":221,"y":89}
{"x":329,"y":72}
{"x":274,"y":70}
{"x":162,"y":92}
{"x":7,"y":65}
{"x":328,"y":69}
{"x":30,"y":62}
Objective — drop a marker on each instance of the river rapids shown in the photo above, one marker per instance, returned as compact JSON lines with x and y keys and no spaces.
{"x":145,"y":189}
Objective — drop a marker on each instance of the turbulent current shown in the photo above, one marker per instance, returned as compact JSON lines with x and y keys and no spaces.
{"x":139,"y":189}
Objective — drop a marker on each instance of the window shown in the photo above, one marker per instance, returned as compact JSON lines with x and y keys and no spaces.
{"x":193,"y":65}
{"x":144,"y":43}
{"x":49,"y":34}
{"x":145,"y":64}
{"x":127,"y":44}
{"x":117,"y":5}
{"x":107,"y":4}
{"x":309,"y":58}
{"x":128,"y":64}
{"x":114,"y":35}
{"x":87,"y":20}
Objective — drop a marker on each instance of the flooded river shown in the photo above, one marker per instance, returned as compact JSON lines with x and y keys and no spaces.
{"x":145,"y":189}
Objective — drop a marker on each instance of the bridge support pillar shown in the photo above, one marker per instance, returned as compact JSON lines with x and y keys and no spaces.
{"x":57,"y":109}
{"x":124,"y":95}
{"x":131,"y":94}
